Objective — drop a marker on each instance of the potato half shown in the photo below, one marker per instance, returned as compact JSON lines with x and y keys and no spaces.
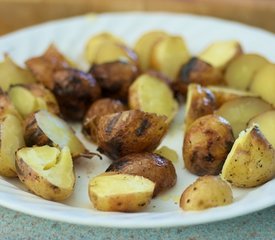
{"x":120,"y":192}
{"x":206,"y":144}
{"x":46,"y":171}
{"x":133,"y":131}
{"x":150,"y":94}
{"x":251,"y":161}
{"x":206,"y":192}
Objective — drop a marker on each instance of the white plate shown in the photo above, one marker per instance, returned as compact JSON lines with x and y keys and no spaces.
{"x":70,"y":36}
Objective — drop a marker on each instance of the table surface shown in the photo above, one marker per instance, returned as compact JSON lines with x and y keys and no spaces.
{"x":257,"y":226}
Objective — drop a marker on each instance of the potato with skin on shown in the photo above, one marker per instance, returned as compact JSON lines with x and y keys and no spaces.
{"x":206,"y":192}
{"x":219,"y":54}
{"x":168,"y":55}
{"x":120,"y":192}
{"x":240,"y":72}
{"x":127,"y":132}
{"x":47,"y":171}
{"x":206,"y":144}
{"x":167,"y":153}
{"x":240,"y":110}
{"x":152,"y":95}
{"x":200,"y":102}
{"x":251,"y":161}
{"x":149,"y":165}
{"x":97,"y":109}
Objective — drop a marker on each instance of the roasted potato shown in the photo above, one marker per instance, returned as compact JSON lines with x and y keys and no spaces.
{"x":206,"y":144}
{"x":240,"y":110}
{"x":150,"y":94}
{"x":97,"y":109}
{"x":149,"y":165}
{"x":241,"y":70}
{"x":127,"y":132}
{"x":120,"y":192}
{"x":251,"y":161}
{"x":168,"y":55}
{"x":200,"y":102}
{"x":6,"y":106}
{"x":11,"y":74}
{"x":167,"y":153}
{"x":144,"y":47}
{"x":197,"y":71}
{"x":44,"y":128}
{"x":220,"y":54}
{"x":11,"y":139}
{"x":115,"y":78}
{"x":206,"y":192}
{"x":36,"y":97}
{"x":263,"y":83}
{"x":46,"y":171}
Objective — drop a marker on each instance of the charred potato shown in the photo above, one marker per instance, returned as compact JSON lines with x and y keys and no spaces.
{"x":115,"y":78}
{"x":206,"y":144}
{"x":149,"y":165}
{"x":46,"y":171}
{"x":99,"y":108}
{"x":206,"y":192}
{"x":120,"y":192}
{"x":251,"y":161}
{"x":127,"y":132}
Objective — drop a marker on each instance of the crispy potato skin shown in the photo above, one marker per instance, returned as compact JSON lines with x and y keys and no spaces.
{"x":133,"y":131}
{"x":206,"y":145}
{"x":115,"y":78}
{"x":99,"y":108}
{"x":149,"y":165}
{"x":75,"y":91}
{"x":197,"y":71}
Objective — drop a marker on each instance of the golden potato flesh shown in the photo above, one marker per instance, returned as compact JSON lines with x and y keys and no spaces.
{"x":200,"y":102}
{"x":11,"y":136}
{"x":127,"y":132}
{"x":206,"y":144}
{"x":239,"y":111}
{"x":206,"y":192}
{"x":251,"y":161}
{"x":46,"y":171}
{"x":120,"y":192}
{"x":149,"y":165}
{"x":263,"y":83}
{"x":241,"y":70}
{"x":150,"y":94}
{"x":167,"y":153}
{"x":144,"y":47}
{"x":6,"y":106}
{"x":168,"y":55}
{"x":220,"y":54}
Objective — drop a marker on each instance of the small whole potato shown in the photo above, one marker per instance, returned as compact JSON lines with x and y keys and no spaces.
{"x":99,"y":108}
{"x":149,"y":165}
{"x":133,"y":131}
{"x":206,"y":145}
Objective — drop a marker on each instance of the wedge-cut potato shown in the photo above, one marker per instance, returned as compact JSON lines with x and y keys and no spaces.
{"x":144,"y":47}
{"x":6,"y":106}
{"x":11,"y":74}
{"x":206,"y":192}
{"x":263,"y":83}
{"x":44,"y":128}
{"x":167,"y":153}
{"x":150,"y":94}
{"x":241,"y":70}
{"x":36,"y":97}
{"x":11,"y":139}
{"x":251,"y":161}
{"x":219,"y":54}
{"x":240,"y":110}
{"x":94,"y":43}
{"x":266,"y":123}
{"x":225,"y":94}
{"x":46,"y":171}
{"x":168,"y":55}
{"x":200,"y":102}
{"x":120,"y":192}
